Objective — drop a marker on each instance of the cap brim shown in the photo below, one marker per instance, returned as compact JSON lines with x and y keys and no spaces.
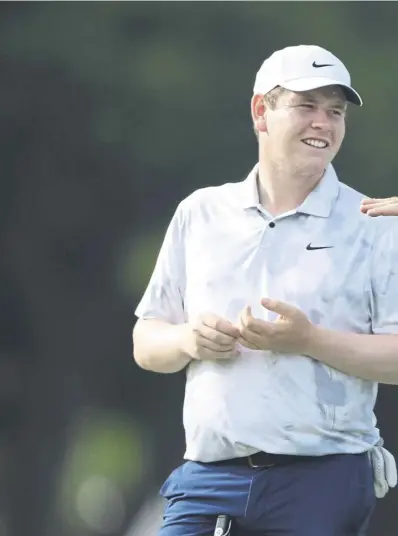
{"x":306,"y":84}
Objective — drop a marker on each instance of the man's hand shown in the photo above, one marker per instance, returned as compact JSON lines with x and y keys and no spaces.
{"x":380,"y":207}
{"x":212,"y":337}
{"x":290,"y":333}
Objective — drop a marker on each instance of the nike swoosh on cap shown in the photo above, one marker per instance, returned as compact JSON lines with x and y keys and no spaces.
{"x":317,"y":65}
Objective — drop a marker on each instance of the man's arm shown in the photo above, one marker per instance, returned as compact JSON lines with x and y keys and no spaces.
{"x":163,"y":339}
{"x":374,"y":356}
{"x":158,"y":345}
{"x":163,"y":347}
{"x":160,"y":328}
{"x":371,"y":357}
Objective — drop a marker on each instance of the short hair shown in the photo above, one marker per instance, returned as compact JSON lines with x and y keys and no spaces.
{"x":271,"y":99}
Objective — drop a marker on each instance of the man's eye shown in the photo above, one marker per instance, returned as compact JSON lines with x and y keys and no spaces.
{"x":307,"y":105}
{"x":337,"y":112}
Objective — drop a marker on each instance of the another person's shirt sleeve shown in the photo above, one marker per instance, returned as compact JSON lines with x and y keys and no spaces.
{"x":164,"y":296}
{"x":384,"y":280}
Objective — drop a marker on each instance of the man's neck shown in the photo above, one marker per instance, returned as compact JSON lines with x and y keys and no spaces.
{"x":282,"y":190}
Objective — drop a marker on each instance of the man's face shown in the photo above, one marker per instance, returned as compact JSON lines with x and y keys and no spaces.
{"x":305,"y":128}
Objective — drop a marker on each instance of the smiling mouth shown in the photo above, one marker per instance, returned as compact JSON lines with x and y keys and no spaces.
{"x":318,"y":144}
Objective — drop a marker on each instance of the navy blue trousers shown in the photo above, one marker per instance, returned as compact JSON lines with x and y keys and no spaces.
{"x":325,"y":496}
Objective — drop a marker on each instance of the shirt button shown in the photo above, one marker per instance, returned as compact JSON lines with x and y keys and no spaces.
{"x":271,"y":224}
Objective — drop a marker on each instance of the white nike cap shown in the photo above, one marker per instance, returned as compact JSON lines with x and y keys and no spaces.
{"x":302,"y":68}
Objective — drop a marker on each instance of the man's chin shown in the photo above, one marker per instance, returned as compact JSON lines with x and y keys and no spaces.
{"x":312,"y":166}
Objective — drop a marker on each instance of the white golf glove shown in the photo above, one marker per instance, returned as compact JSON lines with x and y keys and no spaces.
{"x":384,"y":469}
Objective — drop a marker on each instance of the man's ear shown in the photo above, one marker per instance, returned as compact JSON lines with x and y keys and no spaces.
{"x":258,"y":111}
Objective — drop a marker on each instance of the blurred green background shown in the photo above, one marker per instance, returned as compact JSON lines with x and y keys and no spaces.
{"x":111,"y":113}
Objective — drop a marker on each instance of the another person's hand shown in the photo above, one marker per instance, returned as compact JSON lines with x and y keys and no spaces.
{"x":380,"y":207}
{"x":212,"y":337}
{"x":290,"y":333}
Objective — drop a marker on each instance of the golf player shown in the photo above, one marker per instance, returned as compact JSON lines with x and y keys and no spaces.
{"x":278,"y":295}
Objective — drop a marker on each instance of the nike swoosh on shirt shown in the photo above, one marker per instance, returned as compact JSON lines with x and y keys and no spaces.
{"x":311,"y":248}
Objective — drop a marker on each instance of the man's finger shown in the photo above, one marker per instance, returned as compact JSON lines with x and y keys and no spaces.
{"x":248,"y":322}
{"x":386,"y":210}
{"x":217,"y":337}
{"x":253,"y":326}
{"x":371,"y":201}
{"x":246,"y":315}
{"x":363,"y":209}
{"x":379,"y":200}
{"x":281,"y":308}
{"x":214,"y":347}
{"x":220,"y":324}
{"x":367,"y":209}
{"x":258,"y":334}
{"x":383,"y":203}
{"x":247,"y":319}
{"x":205,"y":351}
{"x":247,"y":344}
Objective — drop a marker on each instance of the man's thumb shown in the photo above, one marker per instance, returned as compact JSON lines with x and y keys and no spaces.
{"x":282,"y":309}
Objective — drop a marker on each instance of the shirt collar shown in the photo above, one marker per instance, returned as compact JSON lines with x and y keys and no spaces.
{"x":318,"y":203}
{"x":249,"y":194}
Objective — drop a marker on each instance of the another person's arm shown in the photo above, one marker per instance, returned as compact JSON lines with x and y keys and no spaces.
{"x":380,"y":207}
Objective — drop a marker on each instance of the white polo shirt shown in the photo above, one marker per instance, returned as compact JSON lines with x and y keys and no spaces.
{"x":222,"y":250}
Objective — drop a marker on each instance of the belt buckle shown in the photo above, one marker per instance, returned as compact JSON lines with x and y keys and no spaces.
{"x":254,"y":466}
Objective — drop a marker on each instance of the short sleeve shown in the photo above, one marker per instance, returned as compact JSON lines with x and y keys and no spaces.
{"x":164,"y":295}
{"x":384,"y":281}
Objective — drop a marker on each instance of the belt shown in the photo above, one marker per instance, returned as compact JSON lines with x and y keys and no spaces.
{"x":265,"y":459}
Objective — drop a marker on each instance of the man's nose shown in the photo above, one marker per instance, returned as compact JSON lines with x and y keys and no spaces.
{"x":321,"y":119}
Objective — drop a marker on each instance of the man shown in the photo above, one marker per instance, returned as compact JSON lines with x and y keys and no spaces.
{"x":270,"y":292}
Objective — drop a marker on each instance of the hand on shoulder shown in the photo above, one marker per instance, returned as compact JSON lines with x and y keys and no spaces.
{"x":380,"y":207}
